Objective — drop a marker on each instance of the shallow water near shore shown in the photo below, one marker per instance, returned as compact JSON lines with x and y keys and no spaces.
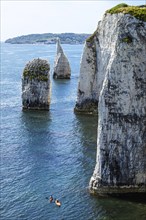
{"x":50,"y":153}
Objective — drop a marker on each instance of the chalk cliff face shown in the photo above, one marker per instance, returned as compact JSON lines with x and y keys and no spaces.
{"x":62,"y":68}
{"x":87,"y":87}
{"x":96,"y":55}
{"x":113,"y":71}
{"x":36,"y":85}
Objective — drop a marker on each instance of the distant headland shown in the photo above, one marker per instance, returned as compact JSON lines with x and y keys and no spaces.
{"x":49,"y":38}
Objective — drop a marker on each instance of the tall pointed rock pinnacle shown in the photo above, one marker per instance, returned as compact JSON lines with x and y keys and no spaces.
{"x":62,"y":68}
{"x":59,"y":48}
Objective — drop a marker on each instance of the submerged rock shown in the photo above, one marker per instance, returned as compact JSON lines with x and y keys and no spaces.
{"x":36,"y":85}
{"x":61,"y":67}
{"x":120,"y":72}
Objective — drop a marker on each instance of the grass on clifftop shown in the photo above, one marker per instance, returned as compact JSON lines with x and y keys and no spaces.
{"x":136,"y":11}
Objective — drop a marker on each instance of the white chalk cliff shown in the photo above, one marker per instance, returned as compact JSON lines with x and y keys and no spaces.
{"x":36,"y":85}
{"x":62,"y":68}
{"x":113,"y":71}
{"x":87,"y":97}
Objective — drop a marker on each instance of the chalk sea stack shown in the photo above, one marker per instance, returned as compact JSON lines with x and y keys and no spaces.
{"x":62,"y":68}
{"x":115,"y":58}
{"x":36,"y":85}
{"x":88,"y":88}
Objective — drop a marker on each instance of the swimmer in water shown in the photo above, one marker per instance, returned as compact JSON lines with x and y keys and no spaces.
{"x":51,"y":198}
{"x":57,"y":202}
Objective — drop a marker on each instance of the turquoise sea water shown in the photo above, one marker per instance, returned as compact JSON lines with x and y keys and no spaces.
{"x":50,"y":153}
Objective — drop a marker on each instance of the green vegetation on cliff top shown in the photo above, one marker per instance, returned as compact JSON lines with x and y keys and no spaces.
{"x":138,"y":12}
{"x":36,"y":69}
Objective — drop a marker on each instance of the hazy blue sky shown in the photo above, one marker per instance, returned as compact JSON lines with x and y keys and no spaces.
{"x":27,"y":17}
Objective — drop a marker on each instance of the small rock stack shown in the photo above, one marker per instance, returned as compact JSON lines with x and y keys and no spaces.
{"x":36,"y":85}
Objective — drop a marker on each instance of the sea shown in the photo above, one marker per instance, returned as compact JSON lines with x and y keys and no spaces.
{"x":52,"y":152}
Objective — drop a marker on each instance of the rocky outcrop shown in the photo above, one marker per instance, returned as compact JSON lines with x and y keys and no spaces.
{"x":87,"y":97}
{"x":96,"y":56}
{"x":62,"y":68}
{"x":36,"y":85}
{"x":119,"y":67}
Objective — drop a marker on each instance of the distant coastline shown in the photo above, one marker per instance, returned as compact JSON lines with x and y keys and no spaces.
{"x":49,"y":38}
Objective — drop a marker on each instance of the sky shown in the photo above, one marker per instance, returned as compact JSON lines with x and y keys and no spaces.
{"x":22,"y":17}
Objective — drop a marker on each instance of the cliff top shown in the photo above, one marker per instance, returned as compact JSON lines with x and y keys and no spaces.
{"x":137,"y":11}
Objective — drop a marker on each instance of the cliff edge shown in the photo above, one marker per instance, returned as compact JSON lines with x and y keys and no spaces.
{"x":114,"y":61}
